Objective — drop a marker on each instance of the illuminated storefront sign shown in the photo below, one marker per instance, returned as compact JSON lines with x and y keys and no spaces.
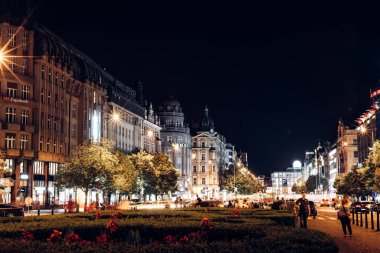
{"x":15,"y":100}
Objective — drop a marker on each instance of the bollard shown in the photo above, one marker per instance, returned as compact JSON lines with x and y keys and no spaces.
{"x":366,"y":219}
{"x":377,"y":216}
{"x":361,"y":218}
{"x":372,"y":224}
{"x":357,"y":219}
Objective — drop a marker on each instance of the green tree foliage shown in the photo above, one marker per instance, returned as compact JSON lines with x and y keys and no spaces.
{"x":91,"y":168}
{"x":166,"y":175}
{"x":244,"y":182}
{"x":5,"y":175}
{"x":314,"y":180}
{"x":351,"y":184}
{"x":142,"y":162}
{"x":299,"y":187}
{"x":125,"y":174}
{"x":371,"y":166}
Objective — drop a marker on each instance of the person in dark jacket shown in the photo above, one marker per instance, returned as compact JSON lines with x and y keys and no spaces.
{"x":303,"y":210}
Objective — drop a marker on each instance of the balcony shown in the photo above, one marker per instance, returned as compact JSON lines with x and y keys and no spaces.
{"x":14,"y":126}
{"x":13,"y":152}
{"x":28,"y":153}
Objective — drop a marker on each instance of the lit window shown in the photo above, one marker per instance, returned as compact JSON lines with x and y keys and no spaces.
{"x":25,"y":41}
{"x":194,"y":168}
{"x":195,"y":181}
{"x":203,"y":169}
{"x":10,"y":140}
{"x":25,"y":92}
{"x":12,"y":37}
{"x":203,"y":180}
{"x":11,"y":115}
{"x":24,"y":67}
{"x":24,"y":141}
{"x":41,"y":143}
{"x":12,"y":90}
{"x":24,"y":116}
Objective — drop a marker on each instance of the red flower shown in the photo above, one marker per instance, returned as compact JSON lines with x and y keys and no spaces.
{"x":27,"y":236}
{"x":119,"y":214}
{"x":235,"y":212}
{"x":73,"y":239}
{"x":56,"y":236}
{"x":103,"y":239}
{"x":206,"y":210}
{"x":112,"y":226}
{"x":206,"y":224}
{"x":169,"y":239}
{"x":113,"y":217}
{"x":98,"y":214}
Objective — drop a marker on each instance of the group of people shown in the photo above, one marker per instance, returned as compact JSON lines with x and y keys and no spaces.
{"x":302,"y":211}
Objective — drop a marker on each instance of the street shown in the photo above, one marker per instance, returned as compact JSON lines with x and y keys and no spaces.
{"x":364,"y":240}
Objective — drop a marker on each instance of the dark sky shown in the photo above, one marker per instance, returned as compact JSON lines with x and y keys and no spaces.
{"x":276,"y":77}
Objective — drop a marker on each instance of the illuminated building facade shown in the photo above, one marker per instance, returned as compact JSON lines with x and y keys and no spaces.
{"x":176,"y":141}
{"x":208,"y":159}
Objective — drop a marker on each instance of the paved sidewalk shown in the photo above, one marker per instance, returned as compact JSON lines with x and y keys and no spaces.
{"x":363,"y":240}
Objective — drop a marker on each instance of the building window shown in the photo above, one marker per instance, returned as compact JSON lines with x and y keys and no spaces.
{"x":12,"y":64}
{"x":43,"y":72}
{"x":203,"y":169}
{"x":24,"y":67}
{"x":10,"y":140}
{"x":41,"y":143}
{"x":48,"y":145}
{"x":74,"y":111}
{"x":25,"y":91}
{"x":55,"y":146}
{"x":25,"y":41}
{"x":213,"y":168}
{"x":55,"y":125}
{"x":56,"y":78}
{"x":49,"y":121}
{"x":42,"y":119}
{"x":24,"y":116}
{"x":56,"y":101}
{"x":12,"y":37}
{"x":203,"y":180}
{"x":179,"y":139}
{"x":11,"y":114}
{"x":74,"y":131}
{"x":38,"y":169}
{"x":194,"y":168}
{"x":12,"y":90}
{"x":203,"y":157}
{"x":60,"y":148}
{"x":62,"y":81}
{"x":53,"y":169}
{"x":24,"y":142}
{"x":49,"y":98}
{"x":195,"y":181}
{"x":356,"y":154}
{"x":42,"y":95}
{"x":170,"y":138}
{"x":49,"y":76}
{"x":203,"y":144}
{"x":355,"y":141}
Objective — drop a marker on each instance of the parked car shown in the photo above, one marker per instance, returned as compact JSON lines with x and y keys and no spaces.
{"x":325,"y":202}
{"x":376,"y":207}
{"x":362,"y":206}
{"x":313,"y":209}
{"x":10,"y":211}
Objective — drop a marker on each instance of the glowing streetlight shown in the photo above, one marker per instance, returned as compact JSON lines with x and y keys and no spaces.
{"x":363,"y":129}
{"x":115,"y":117}
{"x":1,"y":57}
{"x":150,"y":133}
{"x":176,"y":147}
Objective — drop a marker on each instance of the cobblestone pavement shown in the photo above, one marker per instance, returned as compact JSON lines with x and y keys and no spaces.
{"x":363,"y":240}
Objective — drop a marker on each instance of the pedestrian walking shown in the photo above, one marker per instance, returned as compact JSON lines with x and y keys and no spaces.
{"x":344,"y":216}
{"x":304,"y":210}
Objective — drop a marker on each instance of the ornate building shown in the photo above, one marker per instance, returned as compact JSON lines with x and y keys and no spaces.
{"x":53,"y":98}
{"x":176,"y":141}
{"x":208,"y":159}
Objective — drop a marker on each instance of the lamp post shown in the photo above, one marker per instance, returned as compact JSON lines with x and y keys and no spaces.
{"x":114,"y":119}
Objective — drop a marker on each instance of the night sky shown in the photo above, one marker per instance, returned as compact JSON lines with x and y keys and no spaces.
{"x":276,"y":77}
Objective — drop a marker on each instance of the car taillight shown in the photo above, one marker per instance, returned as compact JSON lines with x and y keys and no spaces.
{"x":358,"y":206}
{"x":367,"y":205}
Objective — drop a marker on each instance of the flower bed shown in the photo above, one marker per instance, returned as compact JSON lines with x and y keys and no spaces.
{"x":194,"y":230}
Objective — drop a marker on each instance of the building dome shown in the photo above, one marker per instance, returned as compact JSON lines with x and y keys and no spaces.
{"x":169,"y":104}
{"x":297,"y":164}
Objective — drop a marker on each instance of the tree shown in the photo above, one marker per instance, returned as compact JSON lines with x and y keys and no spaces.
{"x":243,"y":181}
{"x":125,"y":174}
{"x":166,"y":175}
{"x":90,"y":168}
{"x":299,"y":187}
{"x":351,"y":184}
{"x":142,"y":162}
{"x":315,"y":180}
{"x":5,"y":175}
{"x":372,"y":164}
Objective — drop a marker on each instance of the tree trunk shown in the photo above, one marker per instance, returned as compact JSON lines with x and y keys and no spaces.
{"x":85,"y":200}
